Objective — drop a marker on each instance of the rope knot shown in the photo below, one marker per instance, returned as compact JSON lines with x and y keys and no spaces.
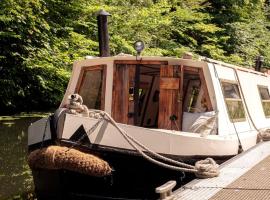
{"x":207,"y":168}
{"x":265,"y":134}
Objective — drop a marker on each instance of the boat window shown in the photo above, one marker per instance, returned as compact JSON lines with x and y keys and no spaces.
{"x":265,"y":98}
{"x":195,"y":93}
{"x":192,"y":93}
{"x":233,"y":101}
{"x":91,"y":86}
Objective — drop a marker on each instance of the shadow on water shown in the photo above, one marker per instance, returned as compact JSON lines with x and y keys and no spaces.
{"x":15,"y":175}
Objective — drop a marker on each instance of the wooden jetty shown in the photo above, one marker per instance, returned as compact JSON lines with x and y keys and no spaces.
{"x":246,"y":176}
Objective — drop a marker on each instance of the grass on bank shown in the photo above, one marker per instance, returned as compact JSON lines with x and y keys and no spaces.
{"x":25,"y":115}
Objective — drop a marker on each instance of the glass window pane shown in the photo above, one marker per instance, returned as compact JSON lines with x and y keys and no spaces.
{"x":91,"y":89}
{"x":236,"y":110}
{"x":231,"y":90}
{"x":264,"y":93}
{"x":266,"y":108}
{"x":192,"y":94}
{"x":233,"y":101}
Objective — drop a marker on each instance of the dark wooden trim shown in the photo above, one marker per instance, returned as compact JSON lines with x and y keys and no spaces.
{"x":149,"y":67}
{"x":150,"y":73}
{"x":122,"y":81}
{"x":113,"y":108}
{"x":103,"y":92}
{"x":147,"y":100}
{"x":136,"y":94}
{"x":180,"y":98}
{"x":131,"y":76}
{"x":191,"y":70}
{"x":169,"y":83}
{"x":142,"y":62}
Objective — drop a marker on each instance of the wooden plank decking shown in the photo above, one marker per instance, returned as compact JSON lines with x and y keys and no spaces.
{"x":246,"y":176}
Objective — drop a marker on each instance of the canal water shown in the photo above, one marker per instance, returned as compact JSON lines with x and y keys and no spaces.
{"x":16,"y":180}
{"x":15,"y":176}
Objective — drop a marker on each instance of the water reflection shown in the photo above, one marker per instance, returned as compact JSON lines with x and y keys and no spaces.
{"x":15,"y":175}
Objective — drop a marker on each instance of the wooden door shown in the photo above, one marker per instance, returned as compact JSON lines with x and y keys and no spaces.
{"x":123,"y":100}
{"x":170,"y":97}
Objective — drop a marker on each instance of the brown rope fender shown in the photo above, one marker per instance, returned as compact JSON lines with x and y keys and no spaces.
{"x":207,"y":168}
{"x":57,"y":157}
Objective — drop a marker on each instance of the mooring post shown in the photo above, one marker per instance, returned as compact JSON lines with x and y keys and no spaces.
{"x":103,"y":35}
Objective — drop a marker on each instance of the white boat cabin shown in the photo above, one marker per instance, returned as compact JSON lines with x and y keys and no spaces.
{"x":173,"y":106}
{"x":172,"y":93}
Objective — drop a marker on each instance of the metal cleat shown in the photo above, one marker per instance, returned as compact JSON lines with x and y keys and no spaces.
{"x":165,"y":190}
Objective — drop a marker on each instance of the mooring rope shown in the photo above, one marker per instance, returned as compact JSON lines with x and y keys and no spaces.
{"x":88,"y":133}
{"x":203,"y":169}
{"x":240,"y":147}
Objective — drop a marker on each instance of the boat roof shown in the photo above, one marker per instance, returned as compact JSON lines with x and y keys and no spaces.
{"x":201,"y":61}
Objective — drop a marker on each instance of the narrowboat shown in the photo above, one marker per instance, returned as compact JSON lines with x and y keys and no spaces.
{"x":127,"y":110}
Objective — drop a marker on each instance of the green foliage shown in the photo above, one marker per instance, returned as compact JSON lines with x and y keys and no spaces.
{"x":39,"y":40}
{"x":38,"y":47}
{"x":246,"y":29}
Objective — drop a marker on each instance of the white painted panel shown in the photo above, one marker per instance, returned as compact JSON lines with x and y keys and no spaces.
{"x":77,"y":66}
{"x":249,"y":83}
{"x":109,"y":87}
{"x":162,"y":141}
{"x":225,"y":126}
{"x":37,"y":130}
{"x":225,"y":72}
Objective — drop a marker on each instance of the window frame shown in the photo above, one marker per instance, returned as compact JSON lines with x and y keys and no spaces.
{"x":263,"y":100}
{"x":82,"y":75}
{"x":233,"y":100}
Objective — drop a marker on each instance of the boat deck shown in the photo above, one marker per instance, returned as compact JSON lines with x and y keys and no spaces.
{"x":246,"y":176}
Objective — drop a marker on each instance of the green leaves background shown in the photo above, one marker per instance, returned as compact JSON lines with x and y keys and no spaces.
{"x":40,"y":39}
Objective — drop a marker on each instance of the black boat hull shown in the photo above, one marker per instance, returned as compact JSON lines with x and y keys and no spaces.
{"x":133,"y":177}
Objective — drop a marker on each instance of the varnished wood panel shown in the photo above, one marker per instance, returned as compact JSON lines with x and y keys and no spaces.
{"x":168,"y":101}
{"x":120,"y":96}
{"x":180,"y":97}
{"x":191,"y":70}
{"x":169,"y":83}
{"x":122,"y":105}
{"x":103,"y":87}
{"x":131,"y":77}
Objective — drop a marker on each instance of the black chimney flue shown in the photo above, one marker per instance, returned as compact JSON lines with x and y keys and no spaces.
{"x":103,"y":35}
{"x":258,"y":63}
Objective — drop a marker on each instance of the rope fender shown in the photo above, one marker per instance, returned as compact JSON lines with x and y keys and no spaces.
{"x":58,"y":157}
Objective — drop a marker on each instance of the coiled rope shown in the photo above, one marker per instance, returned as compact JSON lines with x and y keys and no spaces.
{"x":203,"y":169}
